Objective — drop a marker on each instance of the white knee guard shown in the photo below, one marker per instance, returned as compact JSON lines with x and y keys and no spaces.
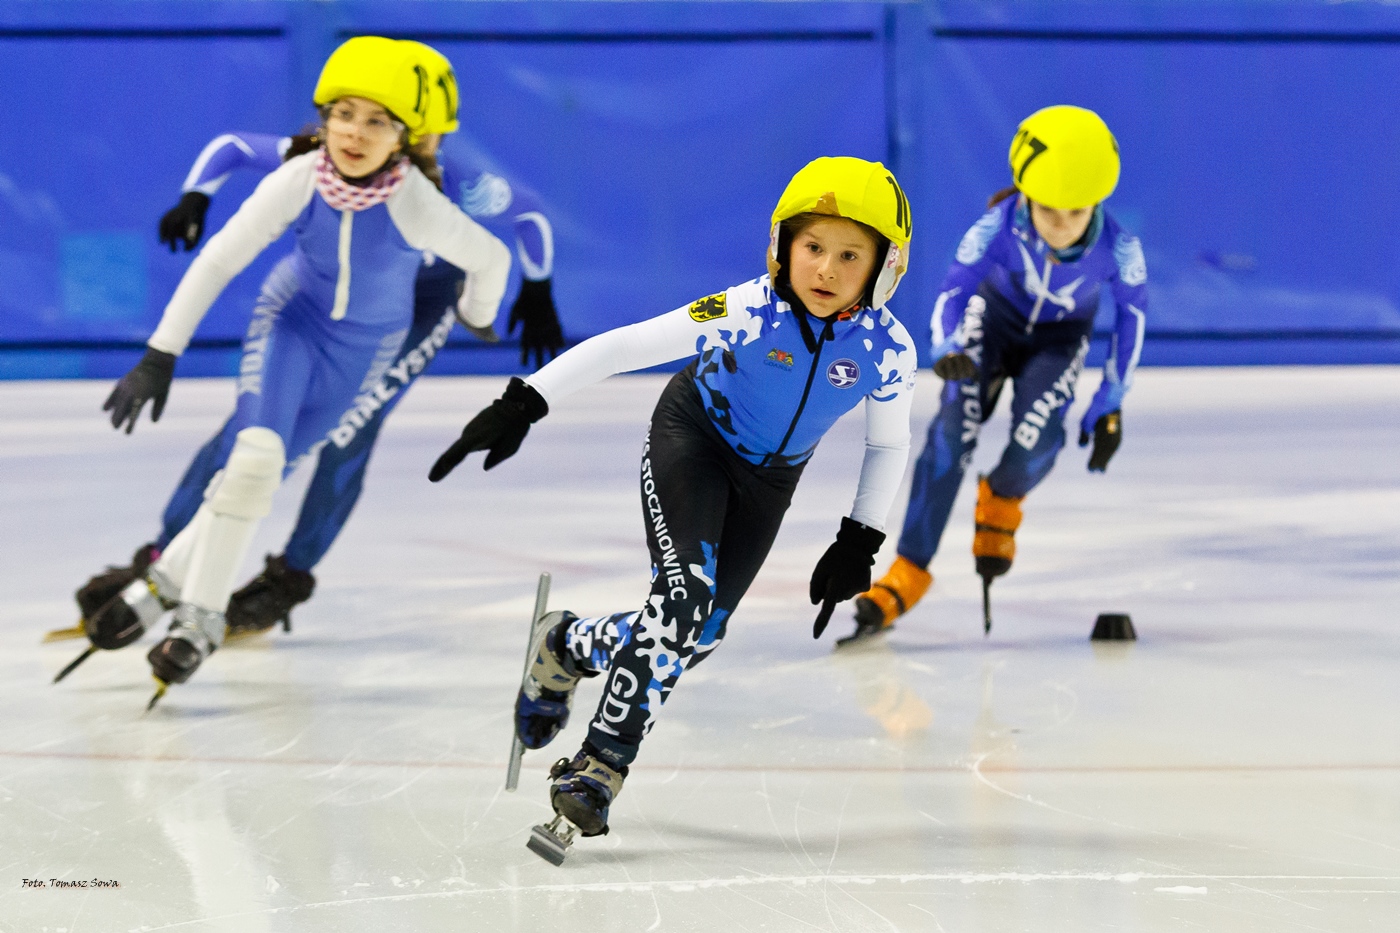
{"x":236,"y":500}
{"x":174,"y":562}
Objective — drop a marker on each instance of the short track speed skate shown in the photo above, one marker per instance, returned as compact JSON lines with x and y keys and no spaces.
{"x":268,"y":599}
{"x":994,"y":541}
{"x":194,"y":634}
{"x":581,"y":794}
{"x":124,"y":618}
{"x":890,"y":597}
{"x":546,"y":695}
{"x":102,"y":588}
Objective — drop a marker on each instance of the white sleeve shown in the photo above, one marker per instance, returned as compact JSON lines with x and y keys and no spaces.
{"x":650,"y":343}
{"x":886,"y":453}
{"x":429,"y":221}
{"x":269,"y":210}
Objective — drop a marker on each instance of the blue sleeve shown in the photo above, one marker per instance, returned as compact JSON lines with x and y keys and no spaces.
{"x":534,"y":236}
{"x":231,"y":152}
{"x":1129,"y":288}
{"x":977,"y":254}
{"x":485,"y":196}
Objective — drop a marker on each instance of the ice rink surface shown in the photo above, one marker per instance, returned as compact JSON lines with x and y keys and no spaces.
{"x":1236,"y":769}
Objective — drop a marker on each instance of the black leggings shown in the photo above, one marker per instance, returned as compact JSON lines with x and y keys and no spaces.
{"x":711,"y":518}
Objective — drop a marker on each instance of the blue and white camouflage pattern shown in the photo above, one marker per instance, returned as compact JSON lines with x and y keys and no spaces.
{"x":774,"y":399}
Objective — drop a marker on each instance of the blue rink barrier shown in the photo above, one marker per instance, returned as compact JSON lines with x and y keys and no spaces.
{"x":1258,"y":141}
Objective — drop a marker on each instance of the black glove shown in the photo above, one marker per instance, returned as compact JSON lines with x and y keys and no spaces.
{"x":844,"y":570}
{"x":955,"y":367}
{"x":184,"y":223}
{"x":1108,"y":434}
{"x":498,"y":428}
{"x":539,"y":322}
{"x":148,"y":380}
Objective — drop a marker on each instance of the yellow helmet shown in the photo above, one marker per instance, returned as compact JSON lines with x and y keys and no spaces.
{"x":442,"y":88}
{"x":1064,"y":157}
{"x":858,"y":190}
{"x":385,"y":71}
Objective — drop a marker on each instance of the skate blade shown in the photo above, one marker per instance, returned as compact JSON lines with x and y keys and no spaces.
{"x":551,"y":841}
{"x":862,"y":636}
{"x":161,"y":687}
{"x":238,"y":634}
{"x":73,"y":665}
{"x":231,"y":636}
{"x":986,"y":607}
{"x":65,"y":634}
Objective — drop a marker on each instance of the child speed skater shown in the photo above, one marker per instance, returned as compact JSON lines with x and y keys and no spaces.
{"x":508,"y":211}
{"x":1018,"y":304}
{"x":780,"y":358}
{"x":362,"y":211}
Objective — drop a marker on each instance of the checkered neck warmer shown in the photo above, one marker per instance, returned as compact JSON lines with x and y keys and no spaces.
{"x":343,"y":196}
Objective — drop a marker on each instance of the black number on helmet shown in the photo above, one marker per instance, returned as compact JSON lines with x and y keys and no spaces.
{"x":420,"y":103}
{"x":448,"y":82}
{"x":901,"y":206}
{"x":1025,"y":140}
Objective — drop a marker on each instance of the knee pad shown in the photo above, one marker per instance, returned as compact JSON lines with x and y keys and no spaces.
{"x":250,"y":478}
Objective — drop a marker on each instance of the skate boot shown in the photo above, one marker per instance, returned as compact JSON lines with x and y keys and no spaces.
{"x":268,"y":599}
{"x":194,"y":634}
{"x":994,"y":542}
{"x":542,"y":705}
{"x":125,"y":617}
{"x":890,"y":597}
{"x":582,"y":792}
{"x":99,"y":590}
{"x":95,"y":593}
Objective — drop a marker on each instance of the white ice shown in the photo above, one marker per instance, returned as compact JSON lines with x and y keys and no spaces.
{"x":1235,"y":769}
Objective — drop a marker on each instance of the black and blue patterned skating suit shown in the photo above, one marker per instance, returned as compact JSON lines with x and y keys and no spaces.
{"x":1022,"y":312}
{"x":727,"y":445}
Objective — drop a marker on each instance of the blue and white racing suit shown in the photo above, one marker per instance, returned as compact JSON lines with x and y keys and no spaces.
{"x":1022,"y":312}
{"x":506,"y":210}
{"x":332,"y":316}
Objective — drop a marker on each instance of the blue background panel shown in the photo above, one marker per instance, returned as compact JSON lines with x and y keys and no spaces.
{"x":108,"y":126}
{"x":1264,"y":202}
{"x":659,"y":161}
{"x":1258,"y":141}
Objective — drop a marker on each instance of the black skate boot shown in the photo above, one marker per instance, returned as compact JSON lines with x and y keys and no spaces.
{"x":542,"y":705}
{"x":268,"y":599}
{"x":125,"y":617}
{"x":194,"y":634}
{"x":99,"y":590}
{"x":582,"y":792}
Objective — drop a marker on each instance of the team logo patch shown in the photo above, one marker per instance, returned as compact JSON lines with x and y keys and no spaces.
{"x":780,"y":358}
{"x":707,"y":309}
{"x":843,"y":374}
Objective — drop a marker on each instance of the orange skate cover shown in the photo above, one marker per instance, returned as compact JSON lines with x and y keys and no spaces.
{"x":903,"y":585}
{"x":997,"y":519}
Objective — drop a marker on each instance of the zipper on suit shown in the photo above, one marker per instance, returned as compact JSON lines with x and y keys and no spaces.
{"x":342,"y":278}
{"x":806,"y":391}
{"x":1040,"y":299}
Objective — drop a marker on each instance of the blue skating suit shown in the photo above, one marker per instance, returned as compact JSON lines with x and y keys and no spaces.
{"x":1022,"y":312}
{"x":506,"y":210}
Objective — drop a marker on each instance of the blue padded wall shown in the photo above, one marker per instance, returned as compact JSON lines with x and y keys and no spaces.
{"x":1257,"y":136}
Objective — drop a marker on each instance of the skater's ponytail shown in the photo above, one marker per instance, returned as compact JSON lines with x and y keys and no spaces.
{"x":1002,"y":195}
{"x":308,"y":140}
